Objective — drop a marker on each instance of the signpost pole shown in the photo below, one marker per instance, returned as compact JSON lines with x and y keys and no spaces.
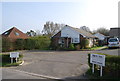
{"x":16,"y":60}
{"x":92,"y":68}
{"x":100,"y":70}
{"x":11,"y":60}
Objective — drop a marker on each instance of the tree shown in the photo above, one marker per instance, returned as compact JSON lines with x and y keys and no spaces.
{"x":38,"y":33}
{"x":51,"y":28}
{"x":31,"y":33}
{"x":87,"y":29}
{"x":102,"y":30}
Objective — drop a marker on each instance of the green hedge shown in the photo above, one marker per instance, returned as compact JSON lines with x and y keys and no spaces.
{"x":7,"y":45}
{"x":37,"y":42}
{"x":111,"y":69}
{"x":20,"y":44}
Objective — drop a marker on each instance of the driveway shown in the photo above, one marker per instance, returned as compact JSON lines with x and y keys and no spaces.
{"x":58,"y":64}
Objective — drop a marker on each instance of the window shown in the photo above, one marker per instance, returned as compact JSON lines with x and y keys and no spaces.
{"x":16,"y":33}
{"x":75,"y":40}
{"x":6,"y":33}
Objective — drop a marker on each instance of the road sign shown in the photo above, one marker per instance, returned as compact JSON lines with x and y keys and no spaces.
{"x":14,"y":54}
{"x":97,"y":59}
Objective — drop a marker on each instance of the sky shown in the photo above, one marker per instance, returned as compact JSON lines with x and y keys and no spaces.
{"x":32,"y":15}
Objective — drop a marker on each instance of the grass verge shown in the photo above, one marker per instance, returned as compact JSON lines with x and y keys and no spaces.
{"x":111,"y":71}
{"x":6,"y":60}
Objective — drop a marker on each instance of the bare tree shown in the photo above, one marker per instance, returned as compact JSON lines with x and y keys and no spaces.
{"x":38,"y":32}
{"x":51,"y":28}
{"x":87,"y":29}
{"x":102,"y":30}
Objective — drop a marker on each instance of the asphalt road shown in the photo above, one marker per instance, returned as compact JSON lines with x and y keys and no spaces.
{"x":53,"y":64}
{"x":8,"y":73}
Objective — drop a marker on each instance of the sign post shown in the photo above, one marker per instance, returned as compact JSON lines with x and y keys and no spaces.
{"x":92,"y":68}
{"x":97,"y":59}
{"x":101,"y":71}
{"x":11,"y":60}
{"x":14,"y":55}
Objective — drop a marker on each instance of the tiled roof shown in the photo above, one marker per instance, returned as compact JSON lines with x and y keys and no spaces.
{"x":15,"y":33}
{"x":82,"y":32}
{"x":6,"y":33}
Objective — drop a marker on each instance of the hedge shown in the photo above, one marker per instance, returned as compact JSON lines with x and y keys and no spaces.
{"x":111,"y":69}
{"x":7,"y":45}
{"x":37,"y":42}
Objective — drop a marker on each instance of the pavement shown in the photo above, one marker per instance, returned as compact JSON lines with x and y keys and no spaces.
{"x":54,"y":64}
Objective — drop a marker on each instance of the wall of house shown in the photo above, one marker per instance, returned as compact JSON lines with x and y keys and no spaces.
{"x":99,"y":36}
{"x":69,"y":32}
{"x":90,"y":42}
{"x":55,"y":39}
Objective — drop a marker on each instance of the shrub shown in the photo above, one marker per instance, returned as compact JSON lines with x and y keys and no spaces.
{"x":29,"y":44}
{"x":84,"y":43}
{"x":40,"y":42}
{"x":20,"y":44}
{"x":77,"y":47}
{"x":7,"y":45}
{"x":112,"y":66}
{"x":71,"y":47}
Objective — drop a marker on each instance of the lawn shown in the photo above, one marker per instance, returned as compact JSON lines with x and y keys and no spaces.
{"x":98,"y":47}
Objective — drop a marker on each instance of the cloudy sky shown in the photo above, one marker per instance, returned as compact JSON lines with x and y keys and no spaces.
{"x":32,"y":14}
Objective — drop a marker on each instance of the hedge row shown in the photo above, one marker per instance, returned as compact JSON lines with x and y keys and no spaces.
{"x":39,"y":42}
{"x":111,"y":69}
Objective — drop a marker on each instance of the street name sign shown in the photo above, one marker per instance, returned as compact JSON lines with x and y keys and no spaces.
{"x":97,"y":59}
{"x":14,"y":54}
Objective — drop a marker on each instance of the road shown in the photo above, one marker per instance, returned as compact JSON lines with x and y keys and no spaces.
{"x":8,"y":73}
{"x":53,"y":64}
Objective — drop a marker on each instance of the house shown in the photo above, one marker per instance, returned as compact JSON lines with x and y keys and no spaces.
{"x":100,"y":36}
{"x":14,"y":34}
{"x":102,"y":39}
{"x":72,"y":35}
{"x":115,"y":32}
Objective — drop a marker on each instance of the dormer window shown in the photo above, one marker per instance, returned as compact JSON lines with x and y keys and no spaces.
{"x":6,"y":33}
{"x":16,"y":33}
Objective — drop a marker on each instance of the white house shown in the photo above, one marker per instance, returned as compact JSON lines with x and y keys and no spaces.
{"x":70,"y":35}
{"x":100,"y":36}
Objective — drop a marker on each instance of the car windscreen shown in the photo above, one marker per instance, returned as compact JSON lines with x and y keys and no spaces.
{"x":113,"y":40}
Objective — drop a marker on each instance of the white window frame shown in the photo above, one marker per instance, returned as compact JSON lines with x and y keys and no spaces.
{"x":75,"y":40}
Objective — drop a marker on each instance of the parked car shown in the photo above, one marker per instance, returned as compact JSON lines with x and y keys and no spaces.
{"x":113,"y":42}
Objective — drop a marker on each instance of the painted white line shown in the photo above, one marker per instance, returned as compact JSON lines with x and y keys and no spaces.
{"x":22,"y":63}
{"x":38,"y":75}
